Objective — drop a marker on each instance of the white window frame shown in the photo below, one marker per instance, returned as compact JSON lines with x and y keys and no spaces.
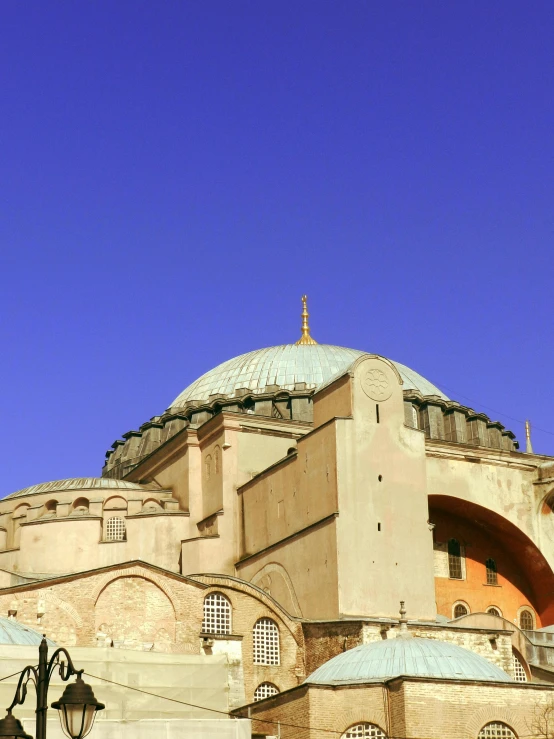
{"x":520,"y":673}
{"x":460,"y":603}
{"x":266,"y":642}
{"x":265,"y":690}
{"x":217,"y":614}
{"x":364,"y":730}
{"x":497,"y":730}
{"x":116,"y":529}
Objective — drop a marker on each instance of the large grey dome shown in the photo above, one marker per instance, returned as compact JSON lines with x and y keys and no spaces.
{"x":286,"y":365}
{"x":411,"y":657}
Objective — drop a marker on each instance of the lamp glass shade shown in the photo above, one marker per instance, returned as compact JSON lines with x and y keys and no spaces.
{"x":77,"y":708}
{"x":77,"y":719}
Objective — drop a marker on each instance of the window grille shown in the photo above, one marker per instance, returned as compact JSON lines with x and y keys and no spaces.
{"x":266,"y":642}
{"x":265,"y":690}
{"x":115,"y":529}
{"x":520,"y":675}
{"x":364,"y":731}
{"x":217,"y":614}
{"x":454,"y":560}
{"x":492,"y":574}
{"x":460,"y":610}
{"x":494,"y":611}
{"x":496,"y":730}
{"x":526,"y":621}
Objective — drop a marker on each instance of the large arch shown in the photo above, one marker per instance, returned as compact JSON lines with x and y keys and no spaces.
{"x":133,"y":611}
{"x":538,"y":574}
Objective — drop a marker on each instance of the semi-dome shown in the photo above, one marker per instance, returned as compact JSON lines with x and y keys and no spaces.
{"x":12,"y":632}
{"x":77,"y":483}
{"x":412,"y":657}
{"x":285,"y":366}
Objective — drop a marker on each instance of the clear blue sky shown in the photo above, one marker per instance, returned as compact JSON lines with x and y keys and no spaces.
{"x":174,"y":175}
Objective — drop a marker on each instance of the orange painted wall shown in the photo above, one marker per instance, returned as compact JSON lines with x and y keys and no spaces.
{"x":513,"y":590}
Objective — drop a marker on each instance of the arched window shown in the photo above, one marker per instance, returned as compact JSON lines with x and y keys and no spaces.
{"x":364,"y":731}
{"x":460,"y":609}
{"x":265,"y":690}
{"x":496,"y":730}
{"x":415,"y":417}
{"x":115,"y":529}
{"x":526,"y":620}
{"x":266,"y":642}
{"x":492,"y":574}
{"x":520,"y":675}
{"x":217,"y":614}
{"x":454,"y":560}
{"x":494,"y":611}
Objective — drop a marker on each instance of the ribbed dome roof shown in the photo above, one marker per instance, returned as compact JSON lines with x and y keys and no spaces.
{"x":78,"y":483}
{"x":286,"y":365}
{"x":412,"y":657}
{"x":12,"y":632}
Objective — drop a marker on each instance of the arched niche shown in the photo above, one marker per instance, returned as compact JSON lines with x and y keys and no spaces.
{"x":80,"y":507}
{"x":133,"y":611}
{"x":50,"y":509}
{"x":528,"y":571}
{"x":115,"y":503}
{"x":19,"y":516}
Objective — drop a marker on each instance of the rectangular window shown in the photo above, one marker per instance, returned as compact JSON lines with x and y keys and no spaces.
{"x":454,"y":560}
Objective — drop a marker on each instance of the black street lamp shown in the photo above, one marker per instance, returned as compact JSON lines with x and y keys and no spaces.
{"x":77,"y":706}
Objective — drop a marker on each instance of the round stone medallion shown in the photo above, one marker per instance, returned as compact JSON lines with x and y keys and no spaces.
{"x":376,"y":384}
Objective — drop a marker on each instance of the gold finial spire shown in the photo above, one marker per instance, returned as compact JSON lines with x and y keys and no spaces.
{"x":528,"y":445}
{"x":305,"y":338}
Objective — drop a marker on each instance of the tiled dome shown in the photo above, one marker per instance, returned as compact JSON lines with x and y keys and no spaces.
{"x":77,"y":483}
{"x":12,"y":632}
{"x":412,"y":657}
{"x":286,"y":365}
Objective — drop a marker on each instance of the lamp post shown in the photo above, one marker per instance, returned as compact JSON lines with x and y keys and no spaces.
{"x":77,"y":706}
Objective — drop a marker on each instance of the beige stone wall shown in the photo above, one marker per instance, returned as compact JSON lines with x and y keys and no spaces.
{"x":66,"y":530}
{"x":297,"y":492}
{"x":499,"y":481}
{"x":334,"y":401}
{"x":383,"y":534}
{"x":302,"y":570}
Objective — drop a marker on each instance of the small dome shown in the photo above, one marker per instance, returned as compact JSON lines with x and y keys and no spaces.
{"x":285,"y":366}
{"x":12,"y":632}
{"x":412,"y":657}
{"x":78,"y":483}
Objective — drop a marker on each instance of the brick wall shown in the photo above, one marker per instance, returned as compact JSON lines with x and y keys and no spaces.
{"x":417,"y":709}
{"x":143,"y":608}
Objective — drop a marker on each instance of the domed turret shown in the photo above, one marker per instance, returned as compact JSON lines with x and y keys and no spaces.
{"x":412,"y":657}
